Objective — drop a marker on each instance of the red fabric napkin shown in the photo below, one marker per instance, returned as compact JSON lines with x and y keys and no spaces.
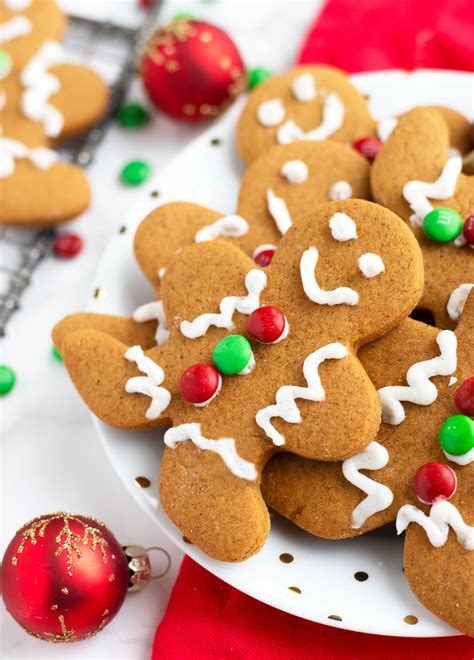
{"x":206,"y":618}
{"x":368,"y":35}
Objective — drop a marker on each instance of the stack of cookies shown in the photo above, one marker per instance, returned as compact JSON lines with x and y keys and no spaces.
{"x":279,"y":352}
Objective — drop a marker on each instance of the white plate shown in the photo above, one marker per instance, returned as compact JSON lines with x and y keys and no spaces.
{"x":323,"y":571}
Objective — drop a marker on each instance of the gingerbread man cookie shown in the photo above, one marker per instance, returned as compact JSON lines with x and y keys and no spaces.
{"x":415,"y":176}
{"x":304,"y":103}
{"x":426,"y":390}
{"x":43,"y":99}
{"x":281,"y":185}
{"x":332,"y":286}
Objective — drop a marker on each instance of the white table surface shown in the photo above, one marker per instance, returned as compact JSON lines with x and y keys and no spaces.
{"x":50,"y":456}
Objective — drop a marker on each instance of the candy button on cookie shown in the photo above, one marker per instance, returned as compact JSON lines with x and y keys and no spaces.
{"x":7,"y":379}
{"x":367,"y":147}
{"x":464,"y":397}
{"x":257,"y":76}
{"x":263,"y":255}
{"x":434,"y":482}
{"x":5,"y":64}
{"x":267,"y":325}
{"x":442,"y":225}
{"x":233,"y":355}
{"x":199,"y":384}
{"x":457,"y":435}
{"x":468,"y":230}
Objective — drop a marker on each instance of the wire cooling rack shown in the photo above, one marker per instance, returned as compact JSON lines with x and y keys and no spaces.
{"x":112,"y":51}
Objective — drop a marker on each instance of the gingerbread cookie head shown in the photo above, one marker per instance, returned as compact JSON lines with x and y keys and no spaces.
{"x":44,"y":99}
{"x":276,"y":190}
{"x":305,"y":103}
{"x":256,"y":361}
{"x":415,"y":176}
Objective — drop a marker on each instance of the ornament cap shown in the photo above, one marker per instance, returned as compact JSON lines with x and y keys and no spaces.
{"x":139,"y":566}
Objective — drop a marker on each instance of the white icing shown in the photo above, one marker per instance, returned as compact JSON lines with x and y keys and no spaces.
{"x":333,"y":118}
{"x":304,"y":88}
{"x":18,"y":26}
{"x":11,"y":150}
{"x":370,"y":264}
{"x":224,"y":447}
{"x":343,"y":295}
{"x":279,"y":212}
{"x":452,"y":380}
{"x":295,"y":171}
{"x":385,"y":128}
{"x":229,"y":225}
{"x":255,"y":281}
{"x":153,"y":311}
{"x":17,"y":5}
{"x":416,"y":193}
{"x":249,"y":367}
{"x":40,"y":85}
{"x":286,"y":395}
{"x":442,"y":516}
{"x":340,"y":190}
{"x":461,"y":459}
{"x":420,"y":389}
{"x":454,"y":151}
{"x":457,"y":300}
{"x":379,"y":496}
{"x":205,"y":403}
{"x":149,"y":384}
{"x":271,"y":113}
{"x":161,"y":272}
{"x":343,"y":228}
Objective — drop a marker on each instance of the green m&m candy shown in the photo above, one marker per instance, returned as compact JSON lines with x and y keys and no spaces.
{"x":5,"y":64}
{"x":232,"y":354}
{"x":457,"y":435}
{"x":442,"y":225}
{"x":56,"y":354}
{"x":7,"y":379}
{"x":132,"y":115}
{"x":257,"y":76}
{"x":135,"y":172}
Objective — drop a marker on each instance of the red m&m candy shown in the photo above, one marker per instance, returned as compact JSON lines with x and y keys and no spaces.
{"x":468,"y":230}
{"x":263,"y":255}
{"x":267,"y":325}
{"x":67,"y":245}
{"x":434,"y":482}
{"x":367,"y":147}
{"x":464,"y":397}
{"x":199,"y":384}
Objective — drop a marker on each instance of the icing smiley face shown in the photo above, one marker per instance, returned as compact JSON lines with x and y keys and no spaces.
{"x":306,"y":103}
{"x":426,"y":178}
{"x":276,"y":190}
{"x":283,"y":395}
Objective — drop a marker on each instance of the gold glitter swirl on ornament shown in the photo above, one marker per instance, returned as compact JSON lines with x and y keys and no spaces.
{"x":66,"y":540}
{"x":225,"y":63}
{"x":14,"y":561}
{"x":189,"y":109}
{"x":205,"y":37}
{"x":171,"y":66}
{"x":65,"y":636}
{"x":65,"y":591}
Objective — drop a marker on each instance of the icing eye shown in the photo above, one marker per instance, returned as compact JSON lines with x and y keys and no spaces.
{"x":343,"y":228}
{"x":295,"y":171}
{"x":199,"y":384}
{"x":304,"y":88}
{"x":434,"y":482}
{"x":267,"y":325}
{"x":370,"y":265}
{"x":340,"y":190}
{"x":271,"y":113}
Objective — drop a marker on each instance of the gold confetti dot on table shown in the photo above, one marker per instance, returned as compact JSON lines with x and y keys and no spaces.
{"x":225,"y":63}
{"x":122,"y":229}
{"x":142,"y":482}
{"x":335,"y":617}
{"x":189,"y":108}
{"x":154,"y":193}
{"x":14,"y":561}
{"x":65,"y":591}
{"x":206,"y":37}
{"x":215,"y":142}
{"x":411,"y":619}
{"x":99,"y":293}
{"x":295,"y":590}
{"x":186,"y":540}
{"x":171,"y":66}
{"x":286,"y":558}
{"x":361,"y":576}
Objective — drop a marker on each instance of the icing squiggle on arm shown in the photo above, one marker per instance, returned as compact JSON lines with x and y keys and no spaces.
{"x":224,"y":447}
{"x":416,"y":193}
{"x":442,"y":516}
{"x":18,"y":26}
{"x":148,"y":385}
{"x":255,"y":281}
{"x":279,"y":212}
{"x":420,"y":389}
{"x":285,"y":406}
{"x":229,"y":225}
{"x":11,"y":150}
{"x":379,"y":496}
{"x":343,"y":295}
{"x":457,"y":300}
{"x":333,"y":118}
{"x":154,"y":311}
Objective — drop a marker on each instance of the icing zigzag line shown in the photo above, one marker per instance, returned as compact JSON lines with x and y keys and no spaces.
{"x":154,"y":311}
{"x":442,"y":516}
{"x":148,"y":385}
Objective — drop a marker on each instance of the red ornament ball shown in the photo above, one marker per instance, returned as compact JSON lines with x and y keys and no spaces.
{"x":267,"y":325}
{"x":464,"y":397}
{"x":192,"y":70}
{"x":367,"y":147}
{"x":434,"y":482}
{"x":67,"y":245}
{"x":468,"y":230}
{"x":64,"y":577}
{"x":199,"y":383}
{"x":263,"y":255}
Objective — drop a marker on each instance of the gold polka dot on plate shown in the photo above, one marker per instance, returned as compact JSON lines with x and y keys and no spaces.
{"x":215,"y":142}
{"x":295,"y":590}
{"x":99,"y":293}
{"x":186,"y":540}
{"x":411,"y":619}
{"x":142,"y":482}
{"x":335,"y":617}
{"x":286,"y":558}
{"x":154,"y":193}
{"x":361,"y":576}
